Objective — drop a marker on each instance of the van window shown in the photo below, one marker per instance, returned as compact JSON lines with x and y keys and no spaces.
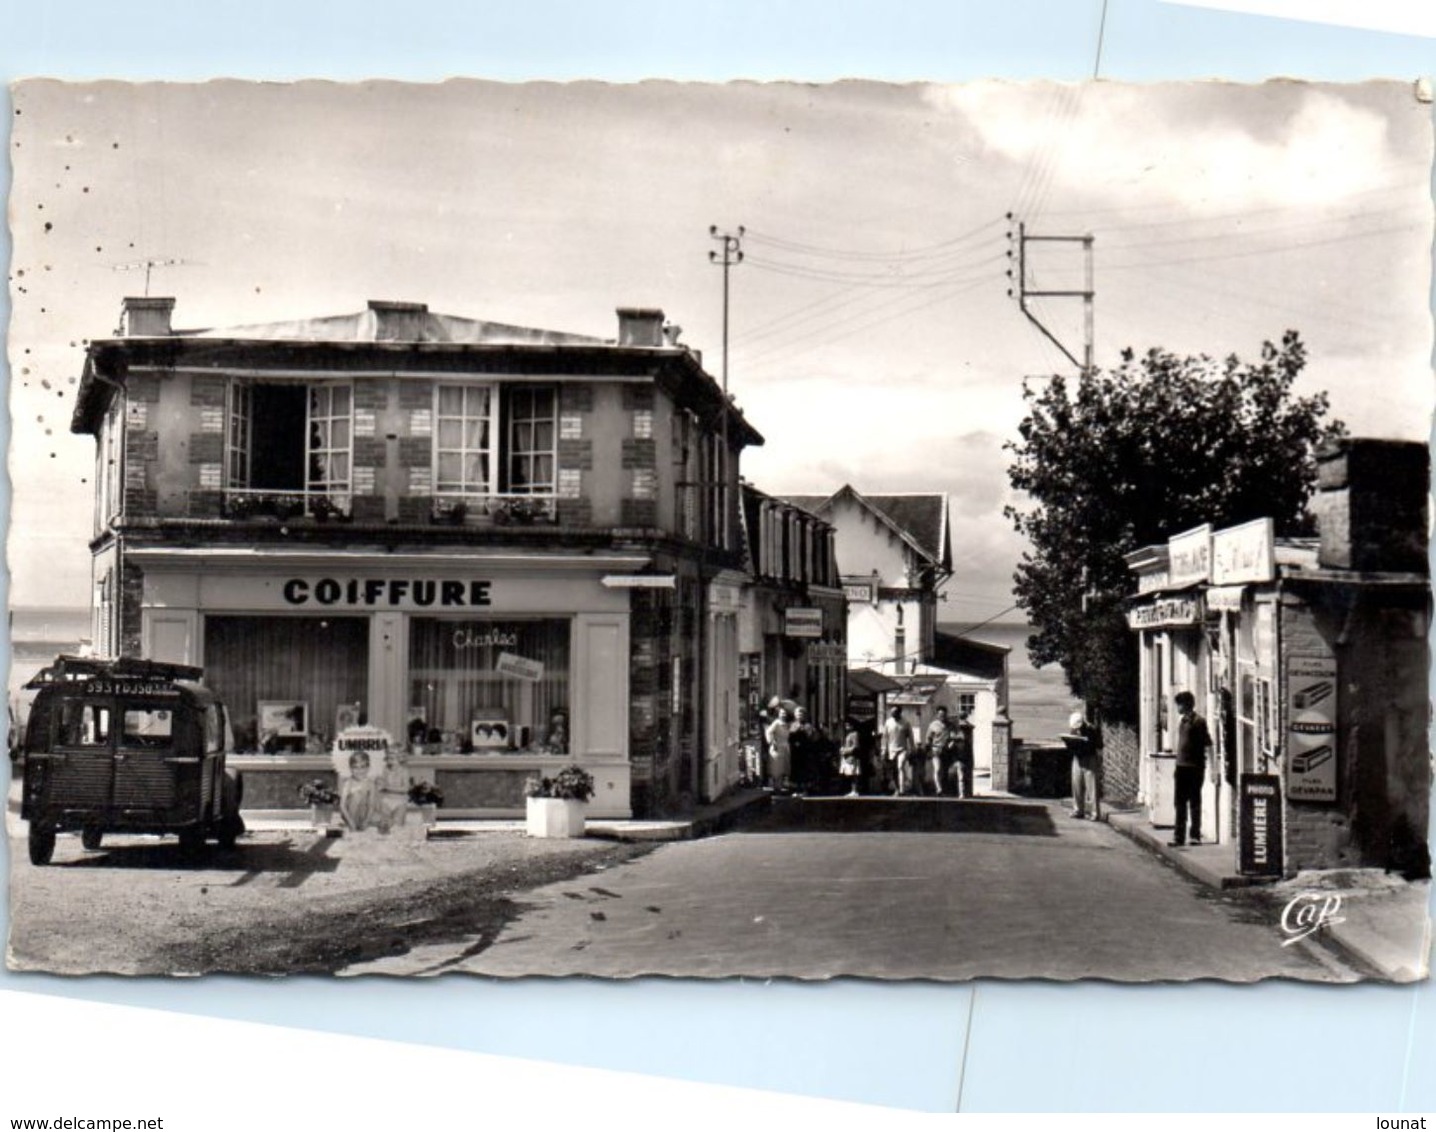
{"x":214,"y":729}
{"x":148,"y":727}
{"x":81,"y":724}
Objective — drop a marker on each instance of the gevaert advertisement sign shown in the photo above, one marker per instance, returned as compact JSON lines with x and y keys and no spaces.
{"x":1189,"y":556}
{"x":1244,"y":554}
{"x":1311,"y":694}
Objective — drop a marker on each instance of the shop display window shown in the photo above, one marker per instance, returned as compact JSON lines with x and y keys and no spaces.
{"x":489,"y":687}
{"x":298,"y":669}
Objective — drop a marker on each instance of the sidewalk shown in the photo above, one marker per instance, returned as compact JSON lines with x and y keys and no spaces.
{"x":1383,"y":922}
{"x":706,"y":819}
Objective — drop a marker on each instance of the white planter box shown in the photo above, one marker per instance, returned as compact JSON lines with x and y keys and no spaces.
{"x":555,"y":817}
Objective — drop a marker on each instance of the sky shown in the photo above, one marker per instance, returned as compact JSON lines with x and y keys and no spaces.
{"x":873,"y":340}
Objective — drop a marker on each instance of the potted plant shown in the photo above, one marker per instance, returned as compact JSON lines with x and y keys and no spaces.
{"x":556,"y":805}
{"x":428,"y":798}
{"x":321,"y":798}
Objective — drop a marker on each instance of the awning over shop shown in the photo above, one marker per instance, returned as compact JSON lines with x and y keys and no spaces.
{"x":866,"y":682}
{"x":916,"y":693}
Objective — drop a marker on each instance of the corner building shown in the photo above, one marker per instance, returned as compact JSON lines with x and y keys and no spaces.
{"x":510,"y":548}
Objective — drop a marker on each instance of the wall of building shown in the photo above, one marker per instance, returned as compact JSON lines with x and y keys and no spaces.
{"x":1381,"y":812}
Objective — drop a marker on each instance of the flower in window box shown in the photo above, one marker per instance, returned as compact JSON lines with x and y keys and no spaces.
{"x":426,"y":794}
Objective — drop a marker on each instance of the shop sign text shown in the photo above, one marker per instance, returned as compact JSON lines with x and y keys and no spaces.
{"x":860,"y":591}
{"x":1244,"y":554}
{"x":470,"y":637}
{"x":519,"y":667}
{"x":1167,"y":611}
{"x":801,"y":621}
{"x":1189,"y":556}
{"x":1311,"y":695}
{"x":1259,"y":817}
{"x":394,"y":592}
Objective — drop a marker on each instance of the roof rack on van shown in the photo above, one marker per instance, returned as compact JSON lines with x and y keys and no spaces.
{"x":68,"y":668}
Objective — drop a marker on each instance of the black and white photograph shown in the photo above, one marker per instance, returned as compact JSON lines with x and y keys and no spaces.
{"x":746,"y":530}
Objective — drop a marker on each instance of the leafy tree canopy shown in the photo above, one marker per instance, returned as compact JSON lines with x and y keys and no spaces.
{"x":1121,"y":459}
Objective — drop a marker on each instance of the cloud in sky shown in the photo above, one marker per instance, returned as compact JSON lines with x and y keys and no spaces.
{"x":1109,"y":138}
{"x":873,"y":336}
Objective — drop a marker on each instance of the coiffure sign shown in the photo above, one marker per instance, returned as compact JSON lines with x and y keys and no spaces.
{"x":392,"y":593}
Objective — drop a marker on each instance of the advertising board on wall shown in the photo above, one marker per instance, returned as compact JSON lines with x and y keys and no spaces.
{"x":1260,"y":832}
{"x":802,"y":621}
{"x":1168,"y":611}
{"x":1189,"y":556}
{"x":1311,"y":762}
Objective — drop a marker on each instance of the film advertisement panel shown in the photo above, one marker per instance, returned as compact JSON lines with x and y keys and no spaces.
{"x":1260,"y":822}
{"x":1311,"y":728}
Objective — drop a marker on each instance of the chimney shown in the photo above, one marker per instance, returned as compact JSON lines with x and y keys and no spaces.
{"x":640,"y":326}
{"x":1371,"y":505}
{"x":146,"y":317}
{"x":399,"y":322}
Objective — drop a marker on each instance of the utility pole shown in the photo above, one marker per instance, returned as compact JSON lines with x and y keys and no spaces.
{"x":1087,"y":294}
{"x":731,"y":254}
{"x":148,"y":265}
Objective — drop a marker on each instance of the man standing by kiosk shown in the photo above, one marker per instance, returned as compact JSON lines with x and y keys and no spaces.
{"x":1193,"y":740}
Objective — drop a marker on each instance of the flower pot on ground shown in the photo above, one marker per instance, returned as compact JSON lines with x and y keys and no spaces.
{"x":321,"y":798}
{"x":425,"y":798}
{"x":321,"y":817}
{"x":426,"y":814}
{"x":556,"y":805}
{"x":555,"y":817}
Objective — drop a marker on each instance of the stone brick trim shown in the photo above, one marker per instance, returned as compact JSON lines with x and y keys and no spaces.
{"x":371,"y":393}
{"x":638,"y":513}
{"x":638,"y":397}
{"x":640,"y":453}
{"x":576,"y":454}
{"x":416,"y":508}
{"x":206,"y":505}
{"x":575,"y":397}
{"x":206,"y":448}
{"x":416,"y":394}
{"x":368,"y":452}
{"x":132,"y":590}
{"x":415,"y":452}
{"x":367,"y":508}
{"x":209,"y":390}
{"x":143,"y":387}
{"x":575,"y":513}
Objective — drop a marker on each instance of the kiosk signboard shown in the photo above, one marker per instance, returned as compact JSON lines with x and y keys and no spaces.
{"x":1260,"y":831}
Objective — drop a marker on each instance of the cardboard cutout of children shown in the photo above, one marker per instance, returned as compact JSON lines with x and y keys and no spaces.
{"x":373,"y":781}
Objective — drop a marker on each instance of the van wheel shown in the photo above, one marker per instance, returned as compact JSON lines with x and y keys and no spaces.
{"x":231,"y":825}
{"x":91,"y":837}
{"x":42,"y":843}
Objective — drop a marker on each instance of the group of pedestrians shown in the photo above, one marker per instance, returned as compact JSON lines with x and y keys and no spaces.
{"x":937,"y":763}
{"x":901,"y":760}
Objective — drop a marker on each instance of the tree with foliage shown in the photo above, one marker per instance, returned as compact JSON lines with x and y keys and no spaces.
{"x":1121,"y":459}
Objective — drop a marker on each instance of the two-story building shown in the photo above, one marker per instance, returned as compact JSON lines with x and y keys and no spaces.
{"x":896,"y":554}
{"x":512,"y":548}
{"x":793,"y":634}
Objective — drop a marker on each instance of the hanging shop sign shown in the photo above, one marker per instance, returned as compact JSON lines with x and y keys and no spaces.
{"x":1169,"y":611}
{"x":519,"y":667}
{"x":915,"y":694}
{"x":640,"y":581}
{"x":1189,"y":556}
{"x":1244,"y":554}
{"x":1259,"y":826}
{"x":1154,"y":581}
{"x":802,"y":621}
{"x":864,"y":709}
{"x":1225,"y":599}
{"x":1311,"y":696}
{"x":860,"y":591}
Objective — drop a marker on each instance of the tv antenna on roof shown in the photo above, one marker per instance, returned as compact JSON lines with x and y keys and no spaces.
{"x":148,"y":265}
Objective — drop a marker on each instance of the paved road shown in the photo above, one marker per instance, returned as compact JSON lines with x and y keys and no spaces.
{"x":889,"y":889}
